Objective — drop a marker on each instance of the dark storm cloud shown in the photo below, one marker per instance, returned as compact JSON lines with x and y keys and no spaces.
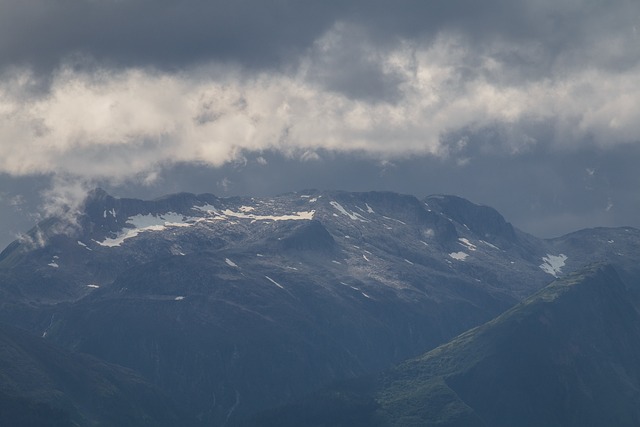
{"x":163,"y":33}
{"x":172,"y":33}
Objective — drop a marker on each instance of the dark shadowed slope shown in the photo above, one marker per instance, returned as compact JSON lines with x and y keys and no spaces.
{"x":41,"y":385}
{"x":567,"y":356}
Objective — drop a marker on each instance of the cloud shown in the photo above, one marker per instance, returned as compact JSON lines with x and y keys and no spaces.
{"x":64,"y":200}
{"x":262,"y":161}
{"x":162,"y":34}
{"x":120,"y":91}
{"x":129,"y":123}
{"x":266,"y":35}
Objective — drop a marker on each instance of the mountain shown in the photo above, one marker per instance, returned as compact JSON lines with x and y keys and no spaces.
{"x":41,"y":385}
{"x":237,"y":305}
{"x":566,"y":356}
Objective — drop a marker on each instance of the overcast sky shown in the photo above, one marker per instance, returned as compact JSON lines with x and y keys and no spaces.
{"x":532,"y":107}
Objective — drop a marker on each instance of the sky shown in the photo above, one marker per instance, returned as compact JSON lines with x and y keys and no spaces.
{"x":531,"y":107}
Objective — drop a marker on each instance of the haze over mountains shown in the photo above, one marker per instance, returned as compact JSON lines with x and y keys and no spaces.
{"x":232,"y":307}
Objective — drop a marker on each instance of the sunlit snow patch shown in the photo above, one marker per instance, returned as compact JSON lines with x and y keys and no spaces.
{"x":180,"y":298}
{"x":93,"y":286}
{"x":230,"y":263}
{"x":460,"y":256}
{"x":553,"y":264}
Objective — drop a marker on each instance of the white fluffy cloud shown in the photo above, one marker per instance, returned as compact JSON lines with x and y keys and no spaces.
{"x":130,"y":122}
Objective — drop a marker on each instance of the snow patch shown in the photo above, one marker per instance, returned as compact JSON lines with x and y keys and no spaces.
{"x":149,"y":222}
{"x":460,"y":256}
{"x":408,"y":262}
{"x":53,"y":264}
{"x":180,"y":298}
{"x":369,"y":208}
{"x":467,"y":243}
{"x":274,"y":282}
{"x":298,"y":216}
{"x":209,"y":209}
{"x":336,"y":262}
{"x":354,"y":216}
{"x":553,"y":264}
{"x":393,"y":219}
{"x":365,"y":257}
{"x":490,"y":245}
{"x":230,"y":263}
{"x":365,"y":295}
{"x":141,"y":223}
{"x":118,"y":240}
{"x":93,"y":286}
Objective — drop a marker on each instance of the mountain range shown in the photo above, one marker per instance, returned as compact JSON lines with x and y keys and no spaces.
{"x":223,"y":311}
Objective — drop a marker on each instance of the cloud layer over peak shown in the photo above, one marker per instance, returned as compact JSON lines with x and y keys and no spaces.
{"x":125,"y":92}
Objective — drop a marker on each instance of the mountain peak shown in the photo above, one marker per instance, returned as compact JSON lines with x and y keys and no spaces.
{"x":486,"y":222}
